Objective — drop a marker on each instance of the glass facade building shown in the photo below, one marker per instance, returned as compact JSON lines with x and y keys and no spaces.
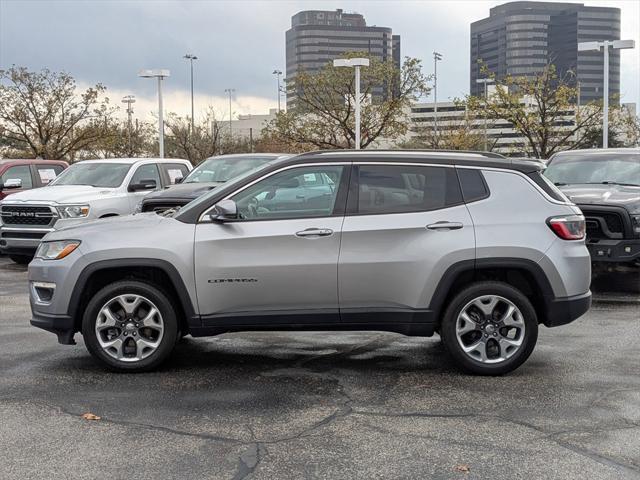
{"x":520,"y":38}
{"x":317,"y":37}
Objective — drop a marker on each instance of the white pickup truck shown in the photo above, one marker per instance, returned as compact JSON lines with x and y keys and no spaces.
{"x":87,"y":190}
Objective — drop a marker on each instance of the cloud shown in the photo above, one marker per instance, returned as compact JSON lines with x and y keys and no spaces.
{"x":239,"y":43}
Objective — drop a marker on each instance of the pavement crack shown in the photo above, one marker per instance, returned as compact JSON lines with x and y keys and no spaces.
{"x":248,"y":461}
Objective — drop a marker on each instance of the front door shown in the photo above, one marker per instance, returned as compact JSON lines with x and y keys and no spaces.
{"x":278,"y":263}
{"x":405,"y":224}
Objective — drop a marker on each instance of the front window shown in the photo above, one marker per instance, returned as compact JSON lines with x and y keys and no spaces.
{"x":595,"y":168}
{"x":95,"y":174}
{"x":295,"y":193}
{"x":222,"y":169}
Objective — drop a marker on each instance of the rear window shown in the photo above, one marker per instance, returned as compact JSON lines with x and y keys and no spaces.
{"x":545,"y":184}
{"x":473,"y":185}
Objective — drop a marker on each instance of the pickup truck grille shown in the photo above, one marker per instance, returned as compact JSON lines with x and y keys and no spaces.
{"x":15,"y":215}
{"x":160,"y":207}
{"x":602,"y":224}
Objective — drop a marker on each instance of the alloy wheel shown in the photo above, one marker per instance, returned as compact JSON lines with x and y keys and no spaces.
{"x":490,"y":329}
{"x":129,"y":327}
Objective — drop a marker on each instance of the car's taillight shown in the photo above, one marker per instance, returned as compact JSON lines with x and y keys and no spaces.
{"x":568,"y":227}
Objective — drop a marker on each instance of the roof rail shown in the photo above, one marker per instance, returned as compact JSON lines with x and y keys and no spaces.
{"x":475,"y":152}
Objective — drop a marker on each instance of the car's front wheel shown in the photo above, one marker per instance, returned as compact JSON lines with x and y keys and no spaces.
{"x":21,"y":259}
{"x":490,"y":328}
{"x":130,"y":326}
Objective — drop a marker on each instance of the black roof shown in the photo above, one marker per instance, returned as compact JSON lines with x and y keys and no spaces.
{"x":442,"y":157}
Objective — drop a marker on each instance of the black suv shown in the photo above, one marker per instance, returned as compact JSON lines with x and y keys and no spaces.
{"x":605,"y":184}
{"x":211,"y":173}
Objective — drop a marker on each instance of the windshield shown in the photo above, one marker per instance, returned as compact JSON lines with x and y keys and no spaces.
{"x":222,"y":169}
{"x":596,"y":168}
{"x":106,"y":175}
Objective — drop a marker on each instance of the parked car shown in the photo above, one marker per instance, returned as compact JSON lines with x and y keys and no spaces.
{"x":605,"y":184}
{"x":20,"y":175}
{"x":85,"y":191}
{"x":211,"y":173}
{"x":479,"y":249}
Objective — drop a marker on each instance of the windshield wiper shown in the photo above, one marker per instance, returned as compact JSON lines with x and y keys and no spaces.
{"x":607,"y":182}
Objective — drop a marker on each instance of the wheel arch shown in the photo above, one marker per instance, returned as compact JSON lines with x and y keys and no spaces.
{"x":158,"y":272}
{"x":525,"y":275}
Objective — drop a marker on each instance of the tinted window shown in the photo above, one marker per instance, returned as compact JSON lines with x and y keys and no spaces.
{"x":401,"y":188}
{"x":21,"y":172}
{"x":48,"y":173}
{"x":146,"y":172}
{"x":175,"y":171}
{"x":106,"y":175}
{"x":296,"y":193}
{"x":472,"y":183}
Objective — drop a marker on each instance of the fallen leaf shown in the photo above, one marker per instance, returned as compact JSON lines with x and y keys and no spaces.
{"x":462,"y":468}
{"x":90,"y":416}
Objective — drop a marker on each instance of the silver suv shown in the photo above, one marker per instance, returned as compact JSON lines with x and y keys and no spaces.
{"x":479,"y":249}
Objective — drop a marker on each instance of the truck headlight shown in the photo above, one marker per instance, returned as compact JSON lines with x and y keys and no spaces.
{"x":635,"y":224}
{"x":73,"y":211}
{"x":56,"y":250}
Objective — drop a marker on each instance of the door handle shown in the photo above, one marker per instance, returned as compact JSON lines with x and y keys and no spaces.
{"x":315,"y":232}
{"x":445,"y":226}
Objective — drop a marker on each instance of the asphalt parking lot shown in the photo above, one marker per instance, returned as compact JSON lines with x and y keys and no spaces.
{"x":321,"y":405}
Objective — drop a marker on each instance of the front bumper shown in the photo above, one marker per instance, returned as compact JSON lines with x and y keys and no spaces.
{"x":618,"y":251}
{"x":61,"y":325}
{"x":21,"y":240}
{"x":560,"y":311}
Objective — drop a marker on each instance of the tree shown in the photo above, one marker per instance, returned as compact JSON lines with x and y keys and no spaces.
{"x":324,"y":111}
{"x":542,"y":109}
{"x":117,"y":141}
{"x":460,"y":134}
{"x":206,"y":139}
{"x":43,"y":115}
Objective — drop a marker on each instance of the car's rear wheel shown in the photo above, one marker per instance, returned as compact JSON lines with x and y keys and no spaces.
{"x":21,"y":259}
{"x":130,"y":326}
{"x":490,"y":328}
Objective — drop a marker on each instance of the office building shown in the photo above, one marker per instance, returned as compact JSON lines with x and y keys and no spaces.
{"x":521,"y":38}
{"x":317,"y":37}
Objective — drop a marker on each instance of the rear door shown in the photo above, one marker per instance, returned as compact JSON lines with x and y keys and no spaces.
{"x":405,"y":225}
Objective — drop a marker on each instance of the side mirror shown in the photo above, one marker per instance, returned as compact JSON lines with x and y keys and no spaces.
{"x":143,"y":185}
{"x":178,"y":180}
{"x":11,"y":183}
{"x":289,"y":183}
{"x":224,"y":211}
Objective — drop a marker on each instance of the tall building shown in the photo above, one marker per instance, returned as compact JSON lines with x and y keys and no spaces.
{"x":520,"y":38}
{"x":316,"y":37}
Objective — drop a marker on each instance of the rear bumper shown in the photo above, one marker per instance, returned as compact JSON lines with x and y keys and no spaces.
{"x":618,"y":251}
{"x":61,"y":325}
{"x":560,"y":311}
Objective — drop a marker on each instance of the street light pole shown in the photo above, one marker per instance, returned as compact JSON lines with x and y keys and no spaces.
{"x":486,"y":82}
{"x":230,"y":91}
{"x":436,"y":56}
{"x":191,"y":58}
{"x":129,"y":100}
{"x":277,"y":73}
{"x":160,"y":74}
{"x":605,"y":45}
{"x":356,"y":63}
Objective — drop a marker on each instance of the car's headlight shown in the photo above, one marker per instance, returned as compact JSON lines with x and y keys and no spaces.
{"x":635,"y":224}
{"x":73,"y":211}
{"x":57,"y":249}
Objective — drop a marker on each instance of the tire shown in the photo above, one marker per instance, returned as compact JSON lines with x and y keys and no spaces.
{"x":138,"y":349}
{"x":21,"y":259}
{"x":467,"y":340}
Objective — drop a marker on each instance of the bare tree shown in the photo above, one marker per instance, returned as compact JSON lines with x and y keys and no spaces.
{"x":542,"y":109}
{"x":43,"y":115}
{"x":324,"y":114}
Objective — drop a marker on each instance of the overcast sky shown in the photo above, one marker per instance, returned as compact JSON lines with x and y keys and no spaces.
{"x":239,"y":43}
